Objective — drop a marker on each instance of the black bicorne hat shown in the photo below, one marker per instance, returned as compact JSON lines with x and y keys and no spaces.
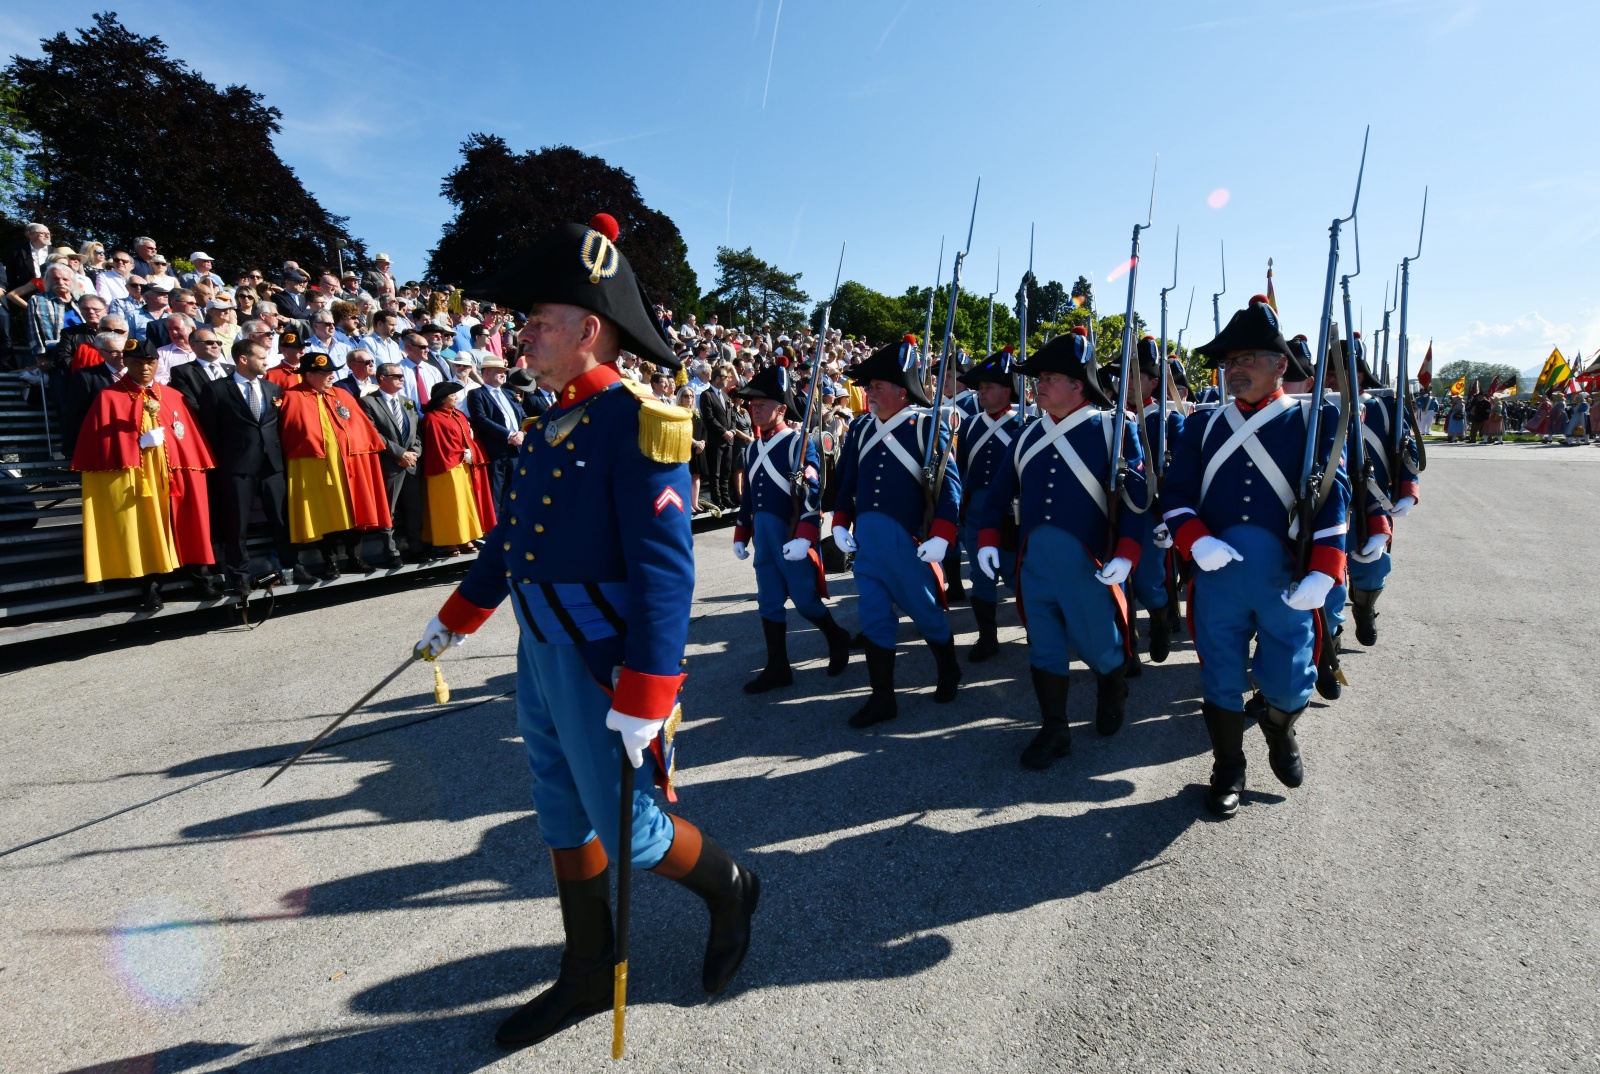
{"x":1368,"y":380}
{"x":1069,"y":354}
{"x":316,"y":362}
{"x":582,"y":266}
{"x":442,"y":389}
{"x":1254,"y":328}
{"x":1179,"y":375}
{"x":1150,"y":356}
{"x":774,"y":382}
{"x":1301,"y":364}
{"x":897,"y":364}
{"x":999,"y":368}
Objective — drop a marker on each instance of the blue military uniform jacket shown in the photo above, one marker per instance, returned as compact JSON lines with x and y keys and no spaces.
{"x":768,"y":471}
{"x":1221,"y":477}
{"x":984,"y":445}
{"x":595,"y":544}
{"x":880,"y":469}
{"x":1377,"y":436}
{"x":1061,"y":480}
{"x":1152,"y":426}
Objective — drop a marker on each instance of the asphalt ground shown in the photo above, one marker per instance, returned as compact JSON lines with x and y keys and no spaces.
{"x":1425,"y":902}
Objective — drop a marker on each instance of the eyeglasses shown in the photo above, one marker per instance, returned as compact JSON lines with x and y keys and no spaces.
{"x":122,"y":260}
{"x":1251,"y":359}
{"x":389,"y":376}
{"x":209,"y":342}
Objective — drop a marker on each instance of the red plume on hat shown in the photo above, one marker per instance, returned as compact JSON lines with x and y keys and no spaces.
{"x":605,"y":224}
{"x":1008,"y":349}
{"x":1258,"y":298}
{"x":1080,"y":330}
{"x":909,"y":338}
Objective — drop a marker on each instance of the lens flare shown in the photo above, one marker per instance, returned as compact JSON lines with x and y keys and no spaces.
{"x":165,"y":954}
{"x":1218,"y":197}
{"x":1120,"y":270}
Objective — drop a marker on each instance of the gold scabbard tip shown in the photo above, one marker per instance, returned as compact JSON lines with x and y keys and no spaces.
{"x":619,"y":1007}
{"x":441,"y":689}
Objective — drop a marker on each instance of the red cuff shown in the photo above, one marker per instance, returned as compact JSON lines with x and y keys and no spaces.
{"x":988,"y":538}
{"x":1188,"y":533}
{"x":646,"y":697}
{"x":1379,"y":524}
{"x":809,"y":531}
{"x":842,"y":518}
{"x":1409,"y":488}
{"x":1329,"y":560}
{"x":461,"y":616}
{"x":1129,"y":549}
{"x":943,"y":528}
{"x":741,"y":534}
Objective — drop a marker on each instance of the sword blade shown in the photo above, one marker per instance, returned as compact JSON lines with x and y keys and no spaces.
{"x":345,"y":715}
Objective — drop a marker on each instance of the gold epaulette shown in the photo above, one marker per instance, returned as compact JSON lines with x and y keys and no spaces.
{"x":527,"y":423}
{"x":666,"y":432}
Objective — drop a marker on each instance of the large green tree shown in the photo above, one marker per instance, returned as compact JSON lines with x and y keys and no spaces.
{"x":17,"y":140}
{"x":750,"y":291}
{"x":505,"y":202}
{"x":126,"y":141}
{"x":1484,"y":373}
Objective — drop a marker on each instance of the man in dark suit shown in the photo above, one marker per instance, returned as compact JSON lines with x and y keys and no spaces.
{"x":86,"y":383}
{"x":400,"y":425}
{"x":240,"y":419}
{"x":359,"y":381}
{"x":291,"y":301}
{"x":717,"y":412}
{"x":535,"y":400}
{"x":191,"y":378}
{"x":497,"y":423}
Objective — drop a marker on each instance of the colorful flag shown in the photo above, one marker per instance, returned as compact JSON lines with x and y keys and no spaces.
{"x":1494,"y":385}
{"x":1477,"y":388}
{"x":1272,"y":297}
{"x":1459,"y":387}
{"x":1556,"y":372}
{"x":1425,"y":370}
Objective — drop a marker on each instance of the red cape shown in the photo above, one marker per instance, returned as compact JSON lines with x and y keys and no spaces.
{"x":358,"y":444}
{"x":85,"y":356}
{"x":446,"y":437}
{"x":283,"y":375}
{"x":109,"y":440}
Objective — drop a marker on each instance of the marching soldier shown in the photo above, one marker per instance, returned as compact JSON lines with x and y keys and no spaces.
{"x":1230,"y":503}
{"x":987,"y":433}
{"x":596,"y":553}
{"x":1149,"y":582}
{"x":1369,"y":567}
{"x":788,"y":566}
{"x":882,"y":493}
{"x":1058,"y":467}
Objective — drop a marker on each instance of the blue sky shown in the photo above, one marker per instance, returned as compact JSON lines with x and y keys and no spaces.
{"x":792,"y":127}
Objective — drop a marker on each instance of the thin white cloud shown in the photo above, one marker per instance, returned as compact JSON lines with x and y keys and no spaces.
{"x":771,"y":54}
{"x":889,"y":29}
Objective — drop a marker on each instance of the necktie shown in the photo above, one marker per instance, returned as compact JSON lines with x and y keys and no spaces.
{"x":399,"y":416}
{"x":255,"y":398}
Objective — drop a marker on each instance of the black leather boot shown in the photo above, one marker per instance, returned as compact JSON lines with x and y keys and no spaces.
{"x":777,"y":672}
{"x":730,"y":891}
{"x":1132,"y":668}
{"x":1361,"y":602}
{"x":205,"y":583}
{"x":329,"y":547}
{"x":954,"y":591}
{"x":1226,"y":728}
{"x":1054,"y":738}
{"x":838,"y":639}
{"x":1283,"y":750}
{"x":988,"y":631}
{"x":1160,"y":634}
{"x":584,"y":985}
{"x":944,"y":656}
{"x":151,"y":590}
{"x":1109,"y":701}
{"x":858,"y":642}
{"x":880,"y":673}
{"x":1328,"y":685}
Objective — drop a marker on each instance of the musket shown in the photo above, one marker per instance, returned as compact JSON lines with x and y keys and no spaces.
{"x":988,"y":346}
{"x":1402,"y":380}
{"x":1359,"y":469}
{"x":1316,"y":475}
{"x":1383,"y":330}
{"x":797,"y":480}
{"x":1186,"y":319}
{"x":1216,"y":315}
{"x":1162,"y":454}
{"x":1094,"y":340}
{"x":933,"y":475}
{"x":1117,"y":476}
{"x":1022,"y":320}
{"x":927,"y":328}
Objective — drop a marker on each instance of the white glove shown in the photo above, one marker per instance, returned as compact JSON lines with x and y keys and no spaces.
{"x":1163,"y":536}
{"x":1310,"y":593}
{"x":1373,"y":550}
{"x":1403,"y":506}
{"x":466,"y":457}
{"x":154,"y":438}
{"x":1210,"y":554}
{"x":636,"y":734}
{"x":436,"y":638}
{"x":1116,"y":571}
{"x":843,"y":541}
{"x":796,"y":550}
{"x":740,"y":550}
{"x":933,"y":549}
{"x":989,"y":561}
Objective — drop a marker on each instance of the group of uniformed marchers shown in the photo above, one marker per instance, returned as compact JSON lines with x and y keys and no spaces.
{"x":595,"y":554}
